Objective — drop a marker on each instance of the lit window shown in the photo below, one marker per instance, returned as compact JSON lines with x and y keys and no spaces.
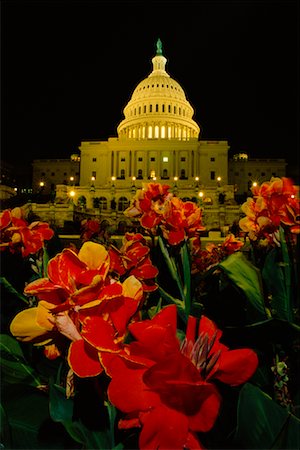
{"x":165,"y":159}
{"x":150,"y":132}
{"x":156,"y":132}
{"x":163,"y":132}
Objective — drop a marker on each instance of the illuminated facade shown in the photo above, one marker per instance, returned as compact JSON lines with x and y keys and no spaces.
{"x":157,"y":140}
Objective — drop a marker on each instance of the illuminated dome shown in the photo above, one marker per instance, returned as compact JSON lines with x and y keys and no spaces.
{"x":158,"y":108}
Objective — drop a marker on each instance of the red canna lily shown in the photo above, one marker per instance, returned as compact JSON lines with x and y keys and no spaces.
{"x":215,"y":360}
{"x":159,"y":388}
{"x":149,"y":205}
{"x":104,"y":327}
{"x":181,"y":220}
{"x":212,"y":254}
{"x":17,"y":235}
{"x":89,"y":229}
{"x":274,"y":203}
{"x":133,"y":259}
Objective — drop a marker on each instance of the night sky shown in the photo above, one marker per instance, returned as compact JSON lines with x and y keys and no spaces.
{"x":70,"y":67}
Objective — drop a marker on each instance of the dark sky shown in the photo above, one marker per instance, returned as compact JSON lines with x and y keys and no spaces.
{"x":69,"y":68}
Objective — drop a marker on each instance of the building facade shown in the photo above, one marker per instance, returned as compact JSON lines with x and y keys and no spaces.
{"x":158,"y":140}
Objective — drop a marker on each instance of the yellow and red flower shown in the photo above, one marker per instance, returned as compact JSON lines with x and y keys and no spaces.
{"x":149,"y":205}
{"x":18,"y":235}
{"x":203,"y":259}
{"x":133,"y":258}
{"x":160,"y":211}
{"x":275,"y":202}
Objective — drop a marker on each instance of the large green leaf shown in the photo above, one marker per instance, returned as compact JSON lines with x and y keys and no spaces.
{"x":277,"y":277}
{"x":27,"y":415}
{"x":14,"y":367}
{"x":247,"y":278}
{"x":61,"y":410}
{"x":263,"y":424}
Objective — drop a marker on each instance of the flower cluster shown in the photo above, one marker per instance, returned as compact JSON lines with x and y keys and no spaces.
{"x":160,"y":211}
{"x":20,"y":236}
{"x":274,"y":203}
{"x":134,"y":317}
{"x":212,"y":254}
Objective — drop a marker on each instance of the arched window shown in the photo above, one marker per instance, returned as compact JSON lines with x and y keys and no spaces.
{"x":156,"y":131}
{"x":123,"y":203}
{"x":163,"y":132}
{"x":165,"y":173}
{"x":102,"y":203}
{"x":150,"y":132}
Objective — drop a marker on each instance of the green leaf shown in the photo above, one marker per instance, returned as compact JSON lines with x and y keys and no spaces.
{"x":171,"y":264}
{"x":44,"y":272}
{"x":60,"y":407}
{"x":27,"y":414}
{"x":263,"y":424}
{"x":185,"y":259}
{"x":61,"y":410}
{"x":270,"y":331}
{"x":171,"y":300}
{"x":11,"y":290}
{"x":14,"y":367}
{"x":247,"y":278}
{"x":277,"y":277}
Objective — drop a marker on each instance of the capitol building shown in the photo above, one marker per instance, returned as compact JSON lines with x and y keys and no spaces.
{"x":157,"y":141}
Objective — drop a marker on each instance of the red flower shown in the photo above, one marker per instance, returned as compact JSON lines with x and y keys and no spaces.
{"x":215,"y":360}
{"x":203,"y":259}
{"x":89,"y":229}
{"x":159,"y":388}
{"x":274,"y":203}
{"x":133,"y":259}
{"x":104,"y":327}
{"x":181,"y":220}
{"x":156,"y":208}
{"x":149,"y":205}
{"x":18,"y":235}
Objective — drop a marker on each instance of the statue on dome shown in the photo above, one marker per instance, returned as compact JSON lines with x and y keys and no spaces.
{"x":159,"y":47}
